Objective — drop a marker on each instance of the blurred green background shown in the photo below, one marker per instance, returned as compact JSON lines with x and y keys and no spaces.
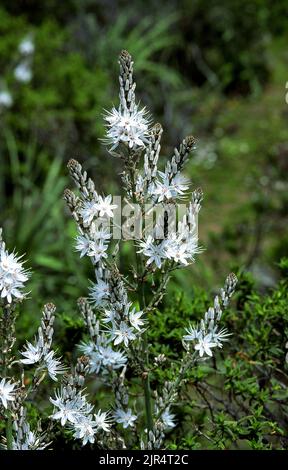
{"x":216,"y":69}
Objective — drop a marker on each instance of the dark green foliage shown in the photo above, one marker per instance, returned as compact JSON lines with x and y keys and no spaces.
{"x":240,"y":399}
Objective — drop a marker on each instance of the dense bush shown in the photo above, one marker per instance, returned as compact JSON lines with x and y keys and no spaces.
{"x":240,"y":400}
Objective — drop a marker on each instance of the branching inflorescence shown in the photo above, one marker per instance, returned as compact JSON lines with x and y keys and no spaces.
{"x":118,"y":305}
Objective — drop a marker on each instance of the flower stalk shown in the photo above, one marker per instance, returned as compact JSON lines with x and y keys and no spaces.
{"x":118,"y":307}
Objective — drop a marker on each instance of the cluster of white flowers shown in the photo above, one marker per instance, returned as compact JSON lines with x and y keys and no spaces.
{"x":99,"y":292}
{"x":122,"y":323}
{"x":128,"y":124}
{"x":71,"y":408}
{"x":92,"y":213}
{"x":12,"y":275}
{"x":94,"y":245}
{"x":93,"y":239}
{"x":122,"y":414}
{"x":127,"y":127}
{"x":179,"y":246}
{"x":156,"y":186}
{"x":169,"y":185}
{"x":23,"y":71}
{"x":117,"y":338}
{"x":33,"y":354}
{"x":40,"y":353}
{"x":207,"y":335}
{"x":25,"y":438}
{"x":116,"y":333}
{"x":101,"y":207}
{"x":102,"y":356}
{"x":166,"y":189}
{"x":117,"y":328}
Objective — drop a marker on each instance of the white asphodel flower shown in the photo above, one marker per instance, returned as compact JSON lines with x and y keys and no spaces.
{"x":193,"y":333}
{"x":32,"y":353}
{"x":178,"y":252}
{"x":87,"y":348}
{"x":180,"y":184}
{"x":135,"y":319}
{"x":83,"y":245}
{"x":97,"y":250}
{"x":102,"y":421}
{"x":53,"y":365}
{"x":12,"y":275}
{"x":85,"y":429}
{"x":206,"y":340}
{"x":70,"y":410}
{"x":100,"y":233}
{"x":166,"y":189}
{"x":111,"y":358}
{"x":155,"y":253}
{"x":106,"y":357}
{"x":122,"y":334}
{"x":220,"y":336}
{"x":99,"y":293}
{"x":126,"y":418}
{"x":95,"y":362}
{"x":105,"y":207}
{"x":6,"y":392}
{"x":182,"y":248}
{"x":109,"y":316}
{"x":129,"y":128}
{"x":89,"y":211}
{"x":66,"y":413}
{"x":163,"y":190}
{"x":26,"y":46}
{"x":205,"y":344}
{"x":168,"y":418}
{"x":23,"y":73}
{"x":6,"y":99}
{"x":30,"y":441}
{"x":94,"y":248}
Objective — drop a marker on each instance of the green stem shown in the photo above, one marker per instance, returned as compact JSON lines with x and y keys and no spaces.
{"x":182,"y":372}
{"x":142,"y":303}
{"x":159,"y":292}
{"x":145,"y":375}
{"x":9,"y":435}
{"x":148,"y":402}
{"x":7,"y":329}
